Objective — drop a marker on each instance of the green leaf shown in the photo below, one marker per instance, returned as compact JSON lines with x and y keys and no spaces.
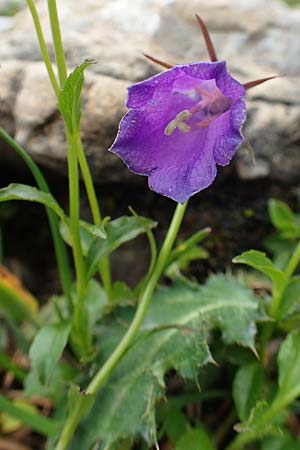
{"x":195,"y":439}
{"x":87,"y":234}
{"x":95,"y":303}
{"x":282,"y":217}
{"x":80,"y":400}
{"x":33,"y":419}
{"x":290,"y":299}
{"x":121,"y":294}
{"x":289,"y":370}
{"x":47,"y":348}
{"x":173,"y":336}
{"x":174,"y":425}
{"x":260,"y":262}
{"x":31,"y":194}
{"x":284,"y":442}
{"x":16,"y":302}
{"x":62,"y":376}
{"x":247,"y":388}
{"x":69,"y":98}
{"x":257,"y":422}
{"x":118,"y":231}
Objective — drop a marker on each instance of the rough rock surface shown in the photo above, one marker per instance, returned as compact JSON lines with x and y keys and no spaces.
{"x":258,"y":39}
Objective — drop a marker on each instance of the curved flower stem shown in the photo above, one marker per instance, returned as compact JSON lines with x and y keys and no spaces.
{"x":43,"y":46}
{"x":104,"y":373}
{"x":59,"y":245}
{"x":104,"y":268}
{"x":57,"y":42}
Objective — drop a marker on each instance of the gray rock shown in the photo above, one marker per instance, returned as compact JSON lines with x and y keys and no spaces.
{"x":258,"y":39}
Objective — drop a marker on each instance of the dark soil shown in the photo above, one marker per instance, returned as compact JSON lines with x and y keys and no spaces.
{"x":235,"y":210}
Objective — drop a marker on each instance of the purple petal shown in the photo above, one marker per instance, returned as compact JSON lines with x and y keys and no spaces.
{"x":179,"y":152}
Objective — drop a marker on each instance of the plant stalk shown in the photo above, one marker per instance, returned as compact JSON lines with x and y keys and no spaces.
{"x":104,"y":373}
{"x":57,"y":42}
{"x":43,"y":47}
{"x":104,"y":267}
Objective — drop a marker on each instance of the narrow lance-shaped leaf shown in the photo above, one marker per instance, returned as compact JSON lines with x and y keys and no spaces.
{"x":282,"y":216}
{"x":259,"y":261}
{"x":289,"y":369}
{"x":31,"y":194}
{"x":69,"y":103}
{"x":247,"y":388}
{"x":47,"y":348}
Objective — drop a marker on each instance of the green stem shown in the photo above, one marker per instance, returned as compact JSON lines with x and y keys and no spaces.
{"x":276,"y":300}
{"x":293,"y":262}
{"x":94,"y":205}
{"x":57,"y":42}
{"x":74,"y":212}
{"x":43,"y":46}
{"x":105,"y":371}
{"x":59,"y":245}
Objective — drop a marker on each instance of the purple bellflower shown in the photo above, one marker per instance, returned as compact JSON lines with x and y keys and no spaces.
{"x":181,"y":123}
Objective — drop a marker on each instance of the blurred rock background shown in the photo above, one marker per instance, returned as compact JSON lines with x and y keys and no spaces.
{"x":258,"y":38}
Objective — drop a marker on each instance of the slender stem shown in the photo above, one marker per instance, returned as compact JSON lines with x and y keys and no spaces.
{"x":57,"y":41}
{"x":43,"y":47}
{"x":269,"y":327}
{"x":105,"y":371}
{"x":59,"y":245}
{"x":94,"y":205}
{"x":74,"y":212}
{"x":293,"y":262}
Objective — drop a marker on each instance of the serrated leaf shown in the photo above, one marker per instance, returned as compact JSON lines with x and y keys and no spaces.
{"x":173,"y":335}
{"x":31,"y":194}
{"x":282,"y":217}
{"x":247,"y":388}
{"x":69,"y":98}
{"x":195,"y":439}
{"x":259,"y":261}
{"x":118,"y":231}
{"x":47,"y":348}
{"x":15,"y":300}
